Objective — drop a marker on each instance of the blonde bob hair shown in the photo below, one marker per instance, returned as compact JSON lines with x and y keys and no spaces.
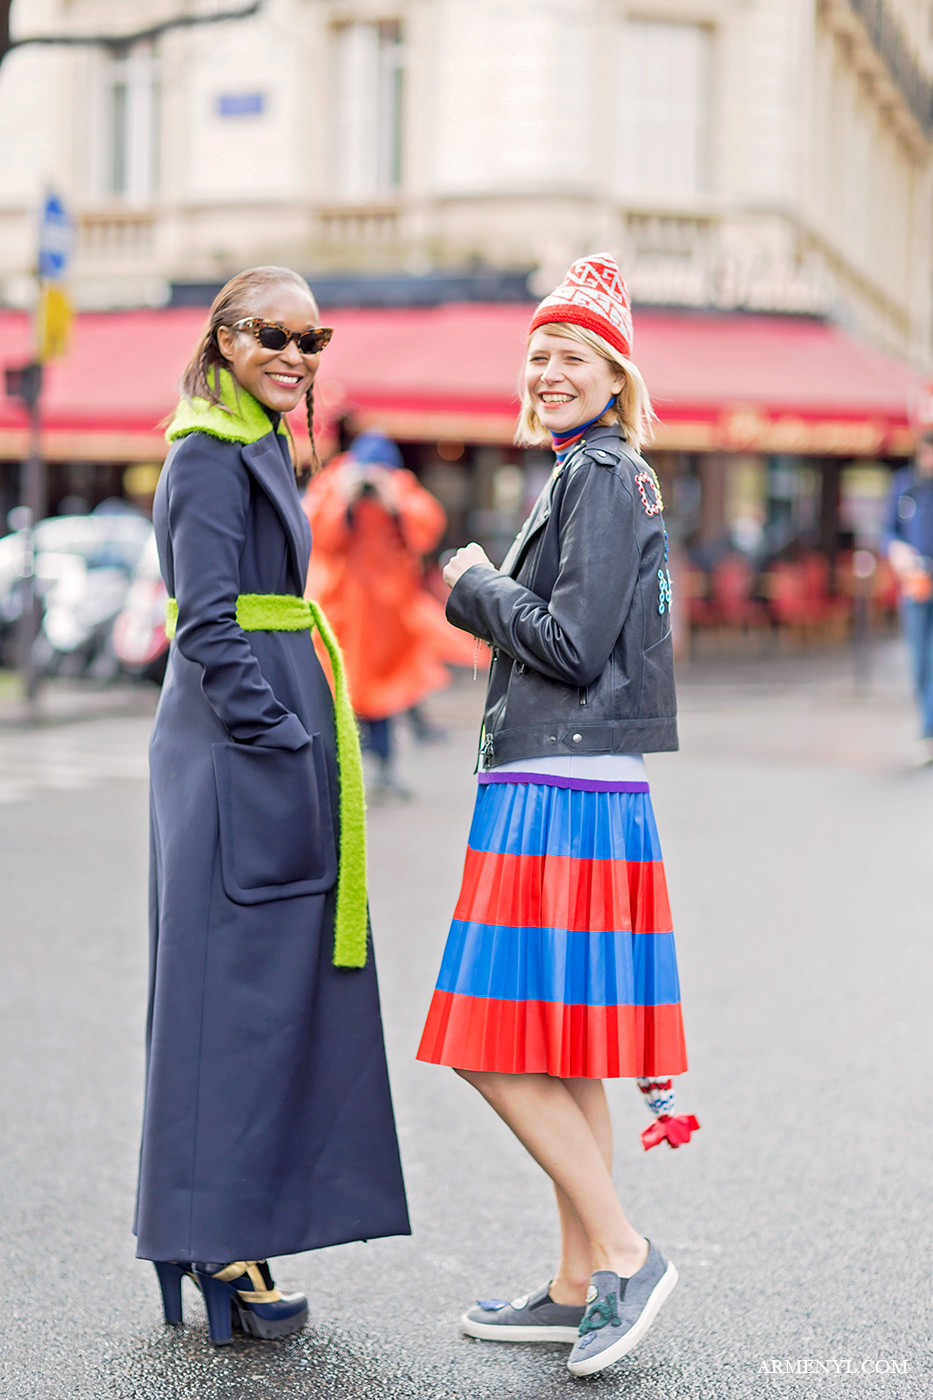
{"x":631,"y":409}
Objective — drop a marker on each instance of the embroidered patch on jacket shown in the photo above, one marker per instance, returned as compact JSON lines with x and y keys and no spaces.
{"x":645,"y":481}
{"x":664,"y":590}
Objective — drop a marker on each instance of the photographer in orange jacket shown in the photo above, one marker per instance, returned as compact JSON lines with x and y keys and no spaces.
{"x":371,"y":522}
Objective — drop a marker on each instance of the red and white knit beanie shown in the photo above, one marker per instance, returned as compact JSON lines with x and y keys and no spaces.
{"x":591,"y":295}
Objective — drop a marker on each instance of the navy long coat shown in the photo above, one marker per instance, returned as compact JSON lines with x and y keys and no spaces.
{"x":268,"y":1125}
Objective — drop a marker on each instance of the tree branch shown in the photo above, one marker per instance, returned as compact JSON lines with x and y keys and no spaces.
{"x":119,"y":42}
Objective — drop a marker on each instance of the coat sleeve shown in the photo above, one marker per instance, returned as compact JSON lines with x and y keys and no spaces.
{"x":207,"y":501}
{"x":569,"y":637}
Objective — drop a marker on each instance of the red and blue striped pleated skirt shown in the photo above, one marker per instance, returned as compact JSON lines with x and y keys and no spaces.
{"x":560,"y":957}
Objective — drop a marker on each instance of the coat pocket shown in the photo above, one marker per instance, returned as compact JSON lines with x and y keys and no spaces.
{"x":276,"y":826}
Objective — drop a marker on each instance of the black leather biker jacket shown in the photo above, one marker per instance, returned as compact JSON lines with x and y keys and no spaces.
{"x":578,"y":615}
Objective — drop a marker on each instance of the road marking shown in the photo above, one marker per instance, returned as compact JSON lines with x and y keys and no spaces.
{"x":72,"y":757}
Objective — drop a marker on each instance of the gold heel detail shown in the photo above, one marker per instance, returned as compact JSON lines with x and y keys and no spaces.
{"x":260,"y":1293}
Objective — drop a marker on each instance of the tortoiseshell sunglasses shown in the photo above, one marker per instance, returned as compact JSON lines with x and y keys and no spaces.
{"x":272,"y":336}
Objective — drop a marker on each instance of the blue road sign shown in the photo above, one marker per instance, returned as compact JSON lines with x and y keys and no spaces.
{"x":241,"y":104}
{"x":56,"y":238}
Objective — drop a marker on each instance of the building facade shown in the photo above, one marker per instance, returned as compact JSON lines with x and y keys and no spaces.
{"x":741,"y":157}
{"x":756,"y":154}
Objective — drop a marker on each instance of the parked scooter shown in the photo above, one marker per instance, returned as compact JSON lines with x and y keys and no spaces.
{"x":139,"y":641}
{"x":75,"y":638}
{"x":90,"y":582}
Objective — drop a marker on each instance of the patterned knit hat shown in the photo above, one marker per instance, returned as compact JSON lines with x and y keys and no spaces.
{"x":591,"y":295}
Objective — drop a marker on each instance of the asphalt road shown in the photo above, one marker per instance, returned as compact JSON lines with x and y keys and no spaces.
{"x":798,"y":848}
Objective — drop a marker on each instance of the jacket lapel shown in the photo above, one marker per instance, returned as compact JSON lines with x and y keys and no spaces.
{"x":265,"y":461}
{"x":541,"y":510}
{"x":540,"y":513}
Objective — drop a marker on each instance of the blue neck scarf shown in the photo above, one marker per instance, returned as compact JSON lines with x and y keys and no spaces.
{"x":563,"y":442}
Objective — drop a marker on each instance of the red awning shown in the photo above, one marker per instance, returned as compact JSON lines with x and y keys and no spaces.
{"x":730,"y":382}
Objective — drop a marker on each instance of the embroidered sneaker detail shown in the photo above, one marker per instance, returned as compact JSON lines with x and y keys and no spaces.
{"x":601,"y":1315}
{"x":620,"y":1314}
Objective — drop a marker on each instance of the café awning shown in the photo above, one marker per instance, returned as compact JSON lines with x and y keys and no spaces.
{"x":720,"y":382}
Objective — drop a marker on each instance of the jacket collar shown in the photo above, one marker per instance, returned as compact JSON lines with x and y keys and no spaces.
{"x":237,"y":418}
{"x":240,"y":418}
{"x":266,"y":461}
{"x":601,"y":433}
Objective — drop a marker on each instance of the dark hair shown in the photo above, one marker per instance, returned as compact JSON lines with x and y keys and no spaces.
{"x":234,"y":302}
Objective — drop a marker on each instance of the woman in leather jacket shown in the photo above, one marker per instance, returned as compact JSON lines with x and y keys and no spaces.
{"x":560,"y":969}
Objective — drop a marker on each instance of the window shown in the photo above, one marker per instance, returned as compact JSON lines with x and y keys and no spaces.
{"x":665,"y":101}
{"x":130,"y":165}
{"x":117,"y":125}
{"x":368,"y":106}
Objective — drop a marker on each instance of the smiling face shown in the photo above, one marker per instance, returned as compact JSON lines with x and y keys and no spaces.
{"x":567,"y":382}
{"x":277,"y":378}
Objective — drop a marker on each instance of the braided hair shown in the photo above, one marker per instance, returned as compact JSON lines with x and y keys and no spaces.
{"x":306,"y":473}
{"x":235,"y":301}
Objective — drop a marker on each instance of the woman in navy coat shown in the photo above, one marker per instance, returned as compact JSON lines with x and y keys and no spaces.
{"x":268,"y":1125}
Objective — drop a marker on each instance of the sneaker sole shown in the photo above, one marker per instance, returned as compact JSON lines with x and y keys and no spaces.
{"x":490,"y":1332}
{"x":661,"y":1291}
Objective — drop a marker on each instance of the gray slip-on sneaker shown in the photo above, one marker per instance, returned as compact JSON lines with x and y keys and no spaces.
{"x":534,"y":1318}
{"x":619,"y":1312}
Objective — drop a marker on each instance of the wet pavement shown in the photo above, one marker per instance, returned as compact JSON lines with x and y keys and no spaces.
{"x":797,"y":839}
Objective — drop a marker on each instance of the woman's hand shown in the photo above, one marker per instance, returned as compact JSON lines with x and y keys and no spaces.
{"x":464,"y":559}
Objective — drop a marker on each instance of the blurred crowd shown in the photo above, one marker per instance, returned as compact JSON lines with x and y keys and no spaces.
{"x":376,"y":531}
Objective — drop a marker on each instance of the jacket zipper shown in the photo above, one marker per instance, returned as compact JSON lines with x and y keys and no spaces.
{"x":487,"y":747}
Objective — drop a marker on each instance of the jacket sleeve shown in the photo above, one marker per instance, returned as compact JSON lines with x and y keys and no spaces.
{"x":570,"y":637}
{"x":207,"y":502}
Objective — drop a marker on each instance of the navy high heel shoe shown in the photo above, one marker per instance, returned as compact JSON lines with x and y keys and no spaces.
{"x":170,"y":1274}
{"x":244,"y":1294}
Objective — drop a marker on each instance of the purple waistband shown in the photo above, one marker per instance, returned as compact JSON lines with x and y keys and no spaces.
{"x":554,"y":780}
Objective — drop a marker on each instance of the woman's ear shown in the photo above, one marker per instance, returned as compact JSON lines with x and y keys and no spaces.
{"x":225,"y":341}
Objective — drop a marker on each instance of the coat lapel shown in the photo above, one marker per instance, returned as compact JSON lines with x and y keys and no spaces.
{"x":267,"y":464}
